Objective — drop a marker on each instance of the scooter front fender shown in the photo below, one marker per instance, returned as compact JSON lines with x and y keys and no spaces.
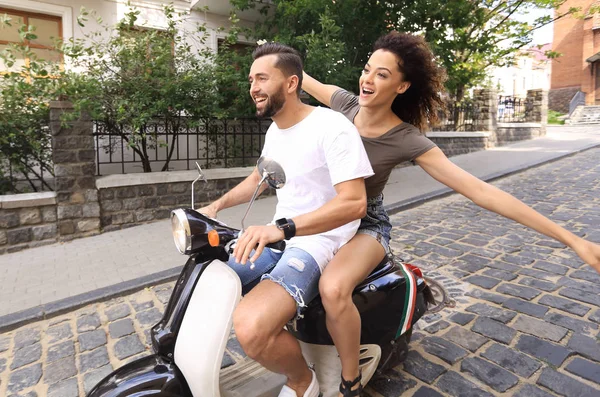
{"x":147,"y":376}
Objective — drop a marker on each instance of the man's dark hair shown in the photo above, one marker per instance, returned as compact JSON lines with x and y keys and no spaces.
{"x":288,"y":59}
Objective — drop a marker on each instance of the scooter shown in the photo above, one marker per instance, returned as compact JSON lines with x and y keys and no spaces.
{"x":189,"y":342}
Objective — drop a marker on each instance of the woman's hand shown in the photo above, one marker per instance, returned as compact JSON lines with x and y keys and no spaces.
{"x":321,"y":92}
{"x":436,"y":164}
{"x":589,"y":252}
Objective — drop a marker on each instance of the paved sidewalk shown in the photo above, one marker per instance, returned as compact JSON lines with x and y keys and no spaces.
{"x":51,"y":279}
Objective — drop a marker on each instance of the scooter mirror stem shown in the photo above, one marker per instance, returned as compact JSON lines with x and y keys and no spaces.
{"x":200,"y":176}
{"x":263,"y":179}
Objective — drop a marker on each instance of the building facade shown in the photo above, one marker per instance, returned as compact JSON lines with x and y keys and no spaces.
{"x":58,"y":19}
{"x":531,"y":70}
{"x":578,"y":69}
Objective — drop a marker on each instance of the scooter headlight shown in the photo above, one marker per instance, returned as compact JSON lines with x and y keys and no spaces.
{"x":181,"y":231}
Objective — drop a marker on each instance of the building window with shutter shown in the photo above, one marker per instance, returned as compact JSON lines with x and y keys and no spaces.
{"x":48,"y":28}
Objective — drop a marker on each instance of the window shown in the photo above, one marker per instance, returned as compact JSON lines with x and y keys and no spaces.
{"x":153,"y":45}
{"x":48,"y":28}
{"x":240,"y":48}
{"x":146,"y":50}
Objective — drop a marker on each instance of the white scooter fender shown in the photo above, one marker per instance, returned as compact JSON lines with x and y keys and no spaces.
{"x":206,"y":328}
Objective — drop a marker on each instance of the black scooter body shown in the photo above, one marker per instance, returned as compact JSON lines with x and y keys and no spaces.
{"x":147,"y":376}
{"x":380,"y":302}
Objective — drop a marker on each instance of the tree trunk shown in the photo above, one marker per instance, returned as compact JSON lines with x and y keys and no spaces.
{"x":144,"y":157}
{"x":460,"y":92}
{"x":175,"y":129}
{"x":459,"y":111}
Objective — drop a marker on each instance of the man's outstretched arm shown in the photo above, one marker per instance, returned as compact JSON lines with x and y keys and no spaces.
{"x":349,"y":204}
{"x":241,"y":193}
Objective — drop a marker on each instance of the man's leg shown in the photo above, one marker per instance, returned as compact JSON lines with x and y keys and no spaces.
{"x":260,"y":317}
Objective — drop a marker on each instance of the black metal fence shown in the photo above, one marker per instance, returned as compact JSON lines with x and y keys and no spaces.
{"x":35,"y":179}
{"x":213,"y":143}
{"x":514,"y":110}
{"x":26,"y":164}
{"x":461,"y":117}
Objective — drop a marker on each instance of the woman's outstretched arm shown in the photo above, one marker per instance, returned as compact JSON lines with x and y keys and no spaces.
{"x":436,"y":164}
{"x":321,"y":92}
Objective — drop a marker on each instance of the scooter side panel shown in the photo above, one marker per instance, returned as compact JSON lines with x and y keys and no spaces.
{"x":380,"y":302}
{"x":147,"y":376}
{"x":206,"y":327}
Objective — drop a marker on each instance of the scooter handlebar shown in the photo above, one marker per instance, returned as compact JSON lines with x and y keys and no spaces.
{"x":278,"y":245}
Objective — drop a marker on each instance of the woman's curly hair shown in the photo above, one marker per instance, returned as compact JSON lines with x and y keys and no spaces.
{"x":422,"y":102}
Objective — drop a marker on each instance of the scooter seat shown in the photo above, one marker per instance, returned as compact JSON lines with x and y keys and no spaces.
{"x":384,"y":262}
{"x":384,"y":266}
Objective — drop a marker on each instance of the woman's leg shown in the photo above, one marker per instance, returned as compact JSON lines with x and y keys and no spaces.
{"x":351,"y":265}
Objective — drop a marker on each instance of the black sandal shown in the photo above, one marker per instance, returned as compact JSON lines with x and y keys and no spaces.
{"x":346,"y":387}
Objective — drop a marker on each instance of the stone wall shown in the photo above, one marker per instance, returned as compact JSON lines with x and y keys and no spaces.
{"x":455,"y":143}
{"x":27,"y":221}
{"x":508,"y":133}
{"x":559,"y":98}
{"x":486,"y":101}
{"x":73,"y":155}
{"x":133,"y":199}
{"x":539,"y":106}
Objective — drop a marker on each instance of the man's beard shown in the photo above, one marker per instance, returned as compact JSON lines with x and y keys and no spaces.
{"x":273,"y":105}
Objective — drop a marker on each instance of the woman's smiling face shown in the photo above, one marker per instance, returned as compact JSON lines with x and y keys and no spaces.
{"x":381,"y":80}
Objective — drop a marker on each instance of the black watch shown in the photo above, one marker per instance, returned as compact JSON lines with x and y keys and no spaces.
{"x":288,"y":226}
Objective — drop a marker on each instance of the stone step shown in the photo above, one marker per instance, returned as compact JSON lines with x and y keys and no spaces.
{"x":585,"y":115}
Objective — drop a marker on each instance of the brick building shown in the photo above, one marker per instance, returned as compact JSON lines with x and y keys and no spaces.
{"x":578,"y":39}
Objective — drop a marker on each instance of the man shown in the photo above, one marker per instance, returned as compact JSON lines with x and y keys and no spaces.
{"x":318,"y":211}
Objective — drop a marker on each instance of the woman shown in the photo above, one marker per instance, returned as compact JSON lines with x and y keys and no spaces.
{"x":400,"y":91}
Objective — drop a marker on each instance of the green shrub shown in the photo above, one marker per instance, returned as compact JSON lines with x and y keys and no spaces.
{"x":553,"y":117}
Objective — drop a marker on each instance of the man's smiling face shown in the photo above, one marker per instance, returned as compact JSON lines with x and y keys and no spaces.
{"x":267,"y":86}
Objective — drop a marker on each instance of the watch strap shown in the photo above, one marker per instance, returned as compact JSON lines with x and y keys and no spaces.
{"x":287,"y":226}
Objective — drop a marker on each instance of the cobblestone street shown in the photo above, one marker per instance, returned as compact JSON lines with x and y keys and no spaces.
{"x":526,"y":322}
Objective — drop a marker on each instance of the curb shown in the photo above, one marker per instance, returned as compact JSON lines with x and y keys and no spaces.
{"x":14,"y":320}
{"x":43,"y":312}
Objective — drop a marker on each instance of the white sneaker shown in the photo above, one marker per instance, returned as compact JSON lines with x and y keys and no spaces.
{"x":313,"y":388}
{"x":312,"y":391}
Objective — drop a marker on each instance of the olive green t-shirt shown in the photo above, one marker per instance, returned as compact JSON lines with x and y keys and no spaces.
{"x":402,"y":143}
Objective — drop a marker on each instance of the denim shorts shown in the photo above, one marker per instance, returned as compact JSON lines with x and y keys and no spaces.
{"x":294,"y":269}
{"x":377,"y":222}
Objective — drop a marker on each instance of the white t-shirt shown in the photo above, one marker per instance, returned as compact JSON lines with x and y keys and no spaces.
{"x":319,"y":152}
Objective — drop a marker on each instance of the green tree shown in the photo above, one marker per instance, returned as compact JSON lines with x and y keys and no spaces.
{"x":24,"y":113}
{"x":232,"y":63}
{"x":334,"y":37}
{"x":135,"y":77}
{"x":469,"y":36}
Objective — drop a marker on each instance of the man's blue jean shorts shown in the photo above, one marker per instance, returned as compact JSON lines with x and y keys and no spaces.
{"x":294,"y":269}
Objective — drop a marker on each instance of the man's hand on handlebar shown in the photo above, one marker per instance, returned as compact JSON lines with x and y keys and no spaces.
{"x":255,"y":238}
